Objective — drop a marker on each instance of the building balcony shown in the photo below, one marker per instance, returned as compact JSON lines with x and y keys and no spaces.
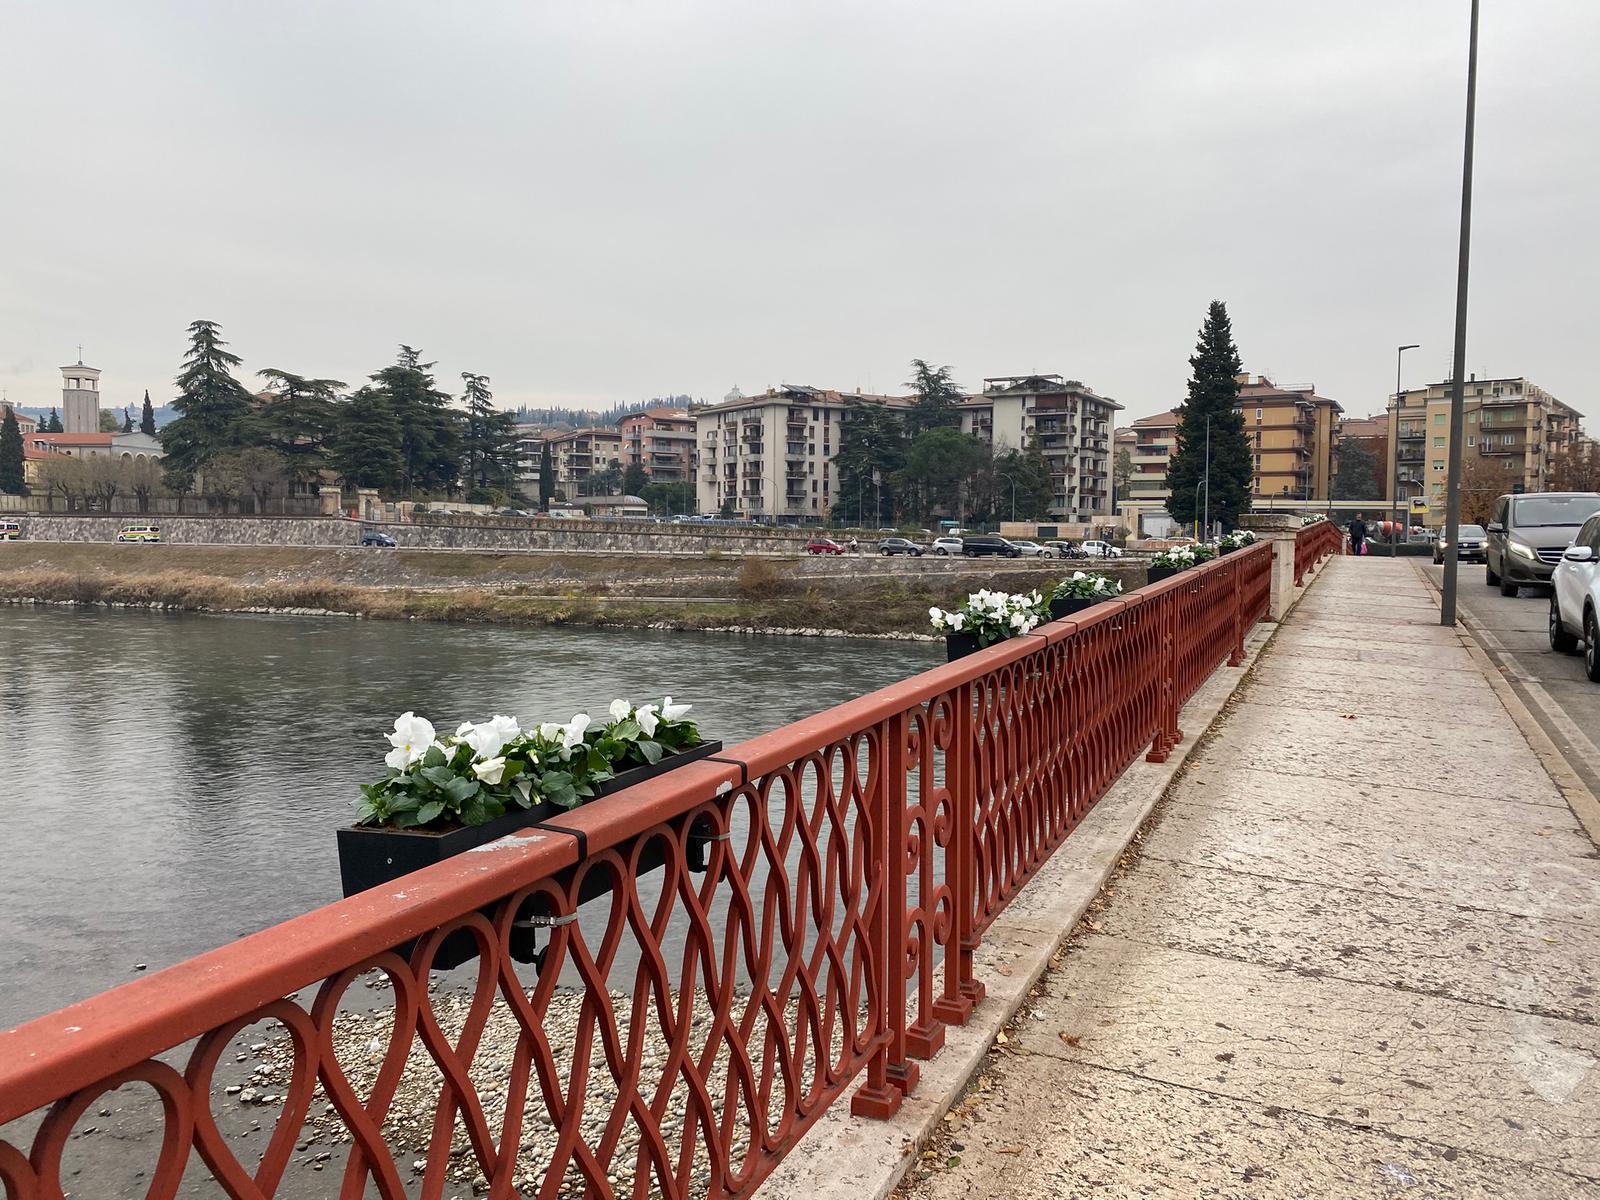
{"x":1411,"y":456}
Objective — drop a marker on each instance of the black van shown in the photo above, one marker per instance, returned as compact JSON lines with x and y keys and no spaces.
{"x":978,"y":545}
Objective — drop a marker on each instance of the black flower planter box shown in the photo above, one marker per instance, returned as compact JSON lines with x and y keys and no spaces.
{"x":1067,"y":605}
{"x":371,"y":856}
{"x":959,"y":645}
{"x":1157,"y":574}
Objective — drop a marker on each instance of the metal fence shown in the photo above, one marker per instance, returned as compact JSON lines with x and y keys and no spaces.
{"x":1314,"y":543}
{"x":775,"y":927}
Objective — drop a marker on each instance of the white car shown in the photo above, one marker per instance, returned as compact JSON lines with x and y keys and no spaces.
{"x":1029,"y":549}
{"x":1101,"y":550}
{"x":947,"y":545}
{"x":1575,"y":598}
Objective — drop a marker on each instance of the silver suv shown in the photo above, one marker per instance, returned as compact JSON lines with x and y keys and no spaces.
{"x":1528,"y":534}
{"x":947,"y":545}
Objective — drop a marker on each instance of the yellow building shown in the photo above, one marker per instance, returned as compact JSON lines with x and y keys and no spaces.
{"x":1511,"y":423}
{"x":1293,"y":434}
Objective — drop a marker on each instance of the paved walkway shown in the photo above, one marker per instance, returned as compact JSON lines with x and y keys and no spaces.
{"x":1359,"y":954}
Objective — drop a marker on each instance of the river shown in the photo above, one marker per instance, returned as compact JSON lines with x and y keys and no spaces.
{"x":172,"y":782}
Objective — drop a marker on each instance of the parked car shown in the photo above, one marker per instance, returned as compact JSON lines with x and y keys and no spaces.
{"x":1469,"y":544}
{"x":946,"y":545}
{"x":823,"y":546}
{"x":139,"y":533}
{"x":1528,"y":534}
{"x":1575,"y":598}
{"x":374,"y":538}
{"x":1101,"y":550}
{"x":980,"y":544}
{"x":1029,"y":549}
{"x":10,"y":531}
{"x":899,"y":545}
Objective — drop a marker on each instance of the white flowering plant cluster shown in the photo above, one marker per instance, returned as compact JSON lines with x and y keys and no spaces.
{"x":1087,"y":585}
{"x":1203,"y":552}
{"x":991,"y":616}
{"x":485,"y":770}
{"x":1237,"y":540}
{"x":1312,"y":519}
{"x":1178,"y":557}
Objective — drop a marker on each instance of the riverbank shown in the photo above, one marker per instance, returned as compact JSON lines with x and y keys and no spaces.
{"x":861,"y":596}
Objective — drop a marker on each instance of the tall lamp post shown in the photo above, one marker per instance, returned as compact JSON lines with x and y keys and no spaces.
{"x":1394,"y":487}
{"x":1452,"y":507}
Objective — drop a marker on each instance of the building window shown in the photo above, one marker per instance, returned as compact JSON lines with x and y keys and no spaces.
{"x":1437,"y":465}
{"x":1471,"y":440}
{"x":1258,"y":414}
{"x":1472,"y":418}
{"x":1510,"y":465}
{"x":1506,"y":439}
{"x":1438,"y":418}
{"x":1438,"y":443}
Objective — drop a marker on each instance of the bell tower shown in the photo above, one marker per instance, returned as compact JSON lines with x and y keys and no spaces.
{"x":80,"y":397}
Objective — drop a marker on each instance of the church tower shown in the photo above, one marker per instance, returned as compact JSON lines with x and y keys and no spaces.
{"x":80,"y":398}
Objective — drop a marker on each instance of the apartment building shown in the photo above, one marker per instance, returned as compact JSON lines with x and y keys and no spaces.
{"x":771,"y":457}
{"x":662,"y":441}
{"x":578,"y":453}
{"x":1154,"y":439}
{"x":1074,"y":427}
{"x":1292,"y":433}
{"x":1512,"y":423}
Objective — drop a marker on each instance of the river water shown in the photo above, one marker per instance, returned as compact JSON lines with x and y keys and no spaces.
{"x":172,"y":782}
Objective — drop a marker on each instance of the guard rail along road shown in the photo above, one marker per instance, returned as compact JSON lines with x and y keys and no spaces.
{"x":809,"y":935}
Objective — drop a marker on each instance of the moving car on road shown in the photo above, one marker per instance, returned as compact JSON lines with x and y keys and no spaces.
{"x":10,"y":531}
{"x":373,"y":538}
{"x":946,"y":545}
{"x":1575,"y":598}
{"x":981,"y":544}
{"x":1527,"y":535}
{"x":139,"y":533}
{"x":1469,"y":544}
{"x":1101,"y":550}
{"x":899,"y":545}
{"x":823,"y":546}
{"x":1029,"y":549}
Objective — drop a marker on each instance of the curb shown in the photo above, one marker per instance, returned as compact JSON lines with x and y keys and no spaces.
{"x":859,"y":1159}
{"x":1568,"y":781}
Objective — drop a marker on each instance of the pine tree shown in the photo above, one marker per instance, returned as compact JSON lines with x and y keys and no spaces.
{"x":211,"y":403}
{"x":937,"y":401}
{"x":147,"y":417}
{"x":1213,"y":393}
{"x":547,"y":477}
{"x":430,"y":436}
{"x":127,"y":419}
{"x":872,"y":451}
{"x":365,"y":445}
{"x":53,"y":423}
{"x":11,"y":458}
{"x":490,"y":438}
{"x":296,"y":422}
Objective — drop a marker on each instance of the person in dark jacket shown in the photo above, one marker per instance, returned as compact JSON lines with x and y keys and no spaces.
{"x":1358,"y":534}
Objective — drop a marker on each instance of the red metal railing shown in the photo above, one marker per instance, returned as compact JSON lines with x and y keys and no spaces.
{"x":1314,"y":543}
{"x":680,"y":1037}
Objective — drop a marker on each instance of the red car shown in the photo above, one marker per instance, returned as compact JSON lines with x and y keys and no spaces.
{"x":823,"y":546}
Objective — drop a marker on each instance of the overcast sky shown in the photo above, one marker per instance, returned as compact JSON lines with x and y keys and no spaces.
{"x":595,"y":201}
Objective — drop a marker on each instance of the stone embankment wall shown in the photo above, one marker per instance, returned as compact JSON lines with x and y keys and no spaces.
{"x":458,"y":534}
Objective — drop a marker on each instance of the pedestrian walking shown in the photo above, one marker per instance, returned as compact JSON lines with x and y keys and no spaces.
{"x":1358,"y":535}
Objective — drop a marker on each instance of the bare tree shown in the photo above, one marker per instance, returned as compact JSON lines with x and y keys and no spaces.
{"x":65,"y":476}
{"x":144,"y":481}
{"x":1483,"y":481}
{"x":103,"y":479}
{"x":1575,"y":467}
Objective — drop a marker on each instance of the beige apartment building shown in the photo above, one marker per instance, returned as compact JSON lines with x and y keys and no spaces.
{"x":771,"y":457}
{"x":578,"y":453}
{"x":662,"y":441}
{"x":1074,"y":427}
{"x":1293,"y":435}
{"x":1154,"y":439}
{"x":1512,"y":423}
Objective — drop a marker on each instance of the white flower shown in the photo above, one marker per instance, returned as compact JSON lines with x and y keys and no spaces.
{"x":490,"y":737}
{"x":492,"y":771}
{"x":957,"y":620}
{"x":645,"y":714}
{"x":1079,"y":575}
{"x":674,"y":712}
{"x":572,"y":732}
{"x":1019,"y":621}
{"x":550,"y":732}
{"x":620,"y":710}
{"x":412,"y":738}
{"x":523,"y":786}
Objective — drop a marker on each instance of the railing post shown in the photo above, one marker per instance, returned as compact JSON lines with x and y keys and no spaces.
{"x":1168,"y":735}
{"x":890,"y":1074}
{"x":961,"y":991}
{"x":1238,"y":558}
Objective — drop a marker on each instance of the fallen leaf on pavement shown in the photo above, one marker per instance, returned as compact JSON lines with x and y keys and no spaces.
{"x":1000,"y":1039}
{"x":1008,"y":1149}
{"x":1070,"y":1039}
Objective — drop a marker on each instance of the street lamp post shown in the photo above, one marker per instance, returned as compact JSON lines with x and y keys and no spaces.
{"x":1452,"y":507}
{"x":1394,"y":488}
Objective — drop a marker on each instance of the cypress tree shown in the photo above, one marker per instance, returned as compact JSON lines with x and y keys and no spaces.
{"x":147,"y":417}
{"x":127,"y":420}
{"x":11,"y":474}
{"x":52,"y":423}
{"x":547,"y":477}
{"x":1213,"y":393}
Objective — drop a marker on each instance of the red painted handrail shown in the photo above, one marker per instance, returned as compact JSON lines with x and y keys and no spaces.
{"x":1314,"y":543}
{"x":684,"y":1036}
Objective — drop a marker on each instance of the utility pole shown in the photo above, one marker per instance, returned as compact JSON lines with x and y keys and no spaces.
{"x":1394,"y":464}
{"x":1458,"y":370}
{"x":1208,"y":476}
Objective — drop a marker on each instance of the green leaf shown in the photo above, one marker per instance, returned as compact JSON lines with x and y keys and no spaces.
{"x":440,"y":776}
{"x":461,"y":790}
{"x":434,"y":757}
{"x":556,"y":781}
{"x":406,"y":820}
{"x":626,"y":731}
{"x":430,"y":812}
{"x":405,"y":802}
{"x":650,"y":750}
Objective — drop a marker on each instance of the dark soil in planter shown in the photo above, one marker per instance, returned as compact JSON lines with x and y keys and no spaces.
{"x":1157,"y":574}
{"x":1067,"y":606}
{"x":371,"y":856}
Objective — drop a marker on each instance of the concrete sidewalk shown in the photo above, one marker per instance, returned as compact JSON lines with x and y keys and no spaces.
{"x":1357,"y":957}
